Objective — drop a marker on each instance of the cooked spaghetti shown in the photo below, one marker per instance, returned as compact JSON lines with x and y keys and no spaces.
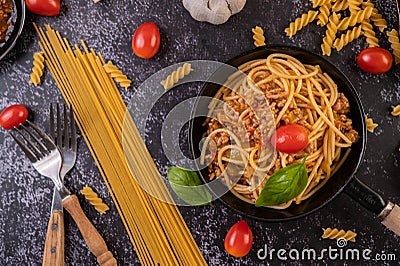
{"x":295,"y":93}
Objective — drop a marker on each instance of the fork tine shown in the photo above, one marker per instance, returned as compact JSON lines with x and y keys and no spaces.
{"x":52,"y":134}
{"x":48,"y":141}
{"x":28,"y":152}
{"x":30,"y":133}
{"x":59,"y":133}
{"x":73,"y":129}
{"x":66,"y":135}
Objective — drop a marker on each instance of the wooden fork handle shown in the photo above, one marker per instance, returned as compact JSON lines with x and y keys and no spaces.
{"x":390,"y":217}
{"x":54,"y":245}
{"x":92,"y":238}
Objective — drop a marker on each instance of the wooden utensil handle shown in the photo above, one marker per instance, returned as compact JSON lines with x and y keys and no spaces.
{"x":54,"y":245}
{"x":92,"y":238}
{"x":390,"y":217}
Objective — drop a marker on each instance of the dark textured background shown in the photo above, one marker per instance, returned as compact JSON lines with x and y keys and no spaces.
{"x":107,"y":27}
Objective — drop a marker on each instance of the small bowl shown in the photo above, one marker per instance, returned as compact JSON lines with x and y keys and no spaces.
{"x":335,"y":184}
{"x":18,"y":18}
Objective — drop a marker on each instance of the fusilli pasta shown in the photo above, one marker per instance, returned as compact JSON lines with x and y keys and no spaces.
{"x":376,"y":17}
{"x":370,"y":124}
{"x":347,"y":38}
{"x":355,"y":18}
{"x":393,"y":37}
{"x":94,"y":200}
{"x":321,"y":2}
{"x":117,"y":74}
{"x":340,"y":5}
{"x":396,"y":110}
{"x":175,"y":76}
{"x":369,"y":33}
{"x":37,"y":69}
{"x":323,"y":16}
{"x":354,"y":6}
{"x":258,"y":36}
{"x":334,"y":233}
{"x":330,"y":34}
{"x":299,"y":23}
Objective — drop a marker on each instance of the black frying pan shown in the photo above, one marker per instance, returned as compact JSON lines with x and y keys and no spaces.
{"x":18,"y":19}
{"x":343,"y":179}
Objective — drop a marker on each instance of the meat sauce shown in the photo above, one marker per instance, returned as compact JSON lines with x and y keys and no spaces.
{"x":6,"y":10}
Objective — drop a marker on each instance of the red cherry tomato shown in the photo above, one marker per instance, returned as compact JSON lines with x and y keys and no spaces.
{"x":146,"y":40}
{"x":290,"y":138}
{"x":239,"y":239}
{"x":375,"y":60}
{"x":44,"y":7}
{"x":13,"y":116}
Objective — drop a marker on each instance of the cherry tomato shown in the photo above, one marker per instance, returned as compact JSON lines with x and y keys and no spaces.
{"x":146,"y":40}
{"x":375,"y":60}
{"x":13,"y":116}
{"x":44,"y":7}
{"x":290,"y":138}
{"x":239,"y":239}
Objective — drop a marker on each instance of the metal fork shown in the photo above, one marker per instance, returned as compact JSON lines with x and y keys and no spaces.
{"x":398,"y":13}
{"x":55,"y":229}
{"x":45,"y":156}
{"x":47,"y":160}
{"x":68,"y":146}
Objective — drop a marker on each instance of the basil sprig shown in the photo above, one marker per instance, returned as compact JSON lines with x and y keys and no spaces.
{"x":188,"y":186}
{"x":284,"y":185}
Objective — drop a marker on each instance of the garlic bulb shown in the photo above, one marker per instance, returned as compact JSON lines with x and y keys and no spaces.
{"x":213,"y":11}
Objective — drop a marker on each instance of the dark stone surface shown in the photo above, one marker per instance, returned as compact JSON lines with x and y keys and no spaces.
{"x":25,"y":197}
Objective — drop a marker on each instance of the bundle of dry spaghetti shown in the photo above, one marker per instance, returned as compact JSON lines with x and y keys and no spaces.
{"x":156,"y":229}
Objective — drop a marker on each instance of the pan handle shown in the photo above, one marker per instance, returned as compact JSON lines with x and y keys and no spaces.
{"x":388,"y":213}
{"x":365,"y":195}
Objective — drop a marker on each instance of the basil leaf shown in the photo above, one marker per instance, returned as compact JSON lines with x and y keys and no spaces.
{"x":284,"y":185}
{"x":188,"y":186}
